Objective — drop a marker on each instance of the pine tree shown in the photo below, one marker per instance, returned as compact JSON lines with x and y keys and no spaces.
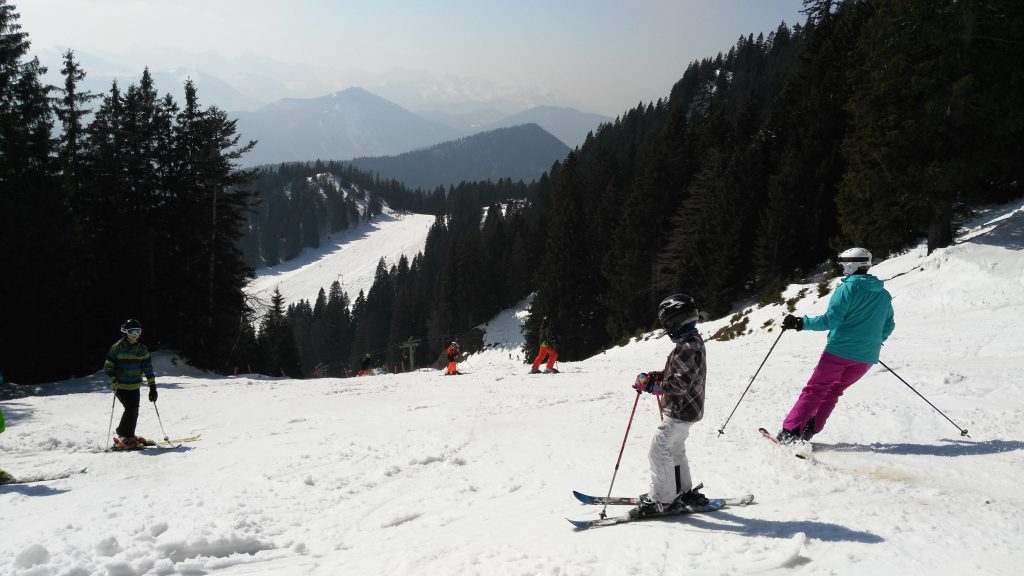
{"x":34,"y":216}
{"x":278,"y":350}
{"x":929,"y":112}
{"x":71,"y":109}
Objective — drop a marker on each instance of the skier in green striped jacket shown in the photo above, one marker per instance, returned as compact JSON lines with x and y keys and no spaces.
{"x":4,"y":476}
{"x":127,"y":362}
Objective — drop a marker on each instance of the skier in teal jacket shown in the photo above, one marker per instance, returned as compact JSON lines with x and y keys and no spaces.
{"x":859,"y":319}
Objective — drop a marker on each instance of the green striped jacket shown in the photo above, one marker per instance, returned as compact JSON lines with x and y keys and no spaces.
{"x":127,"y":362}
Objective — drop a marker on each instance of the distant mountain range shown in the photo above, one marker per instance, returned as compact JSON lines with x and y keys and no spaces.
{"x":352,"y":123}
{"x":356,"y":123}
{"x":521,"y":153}
{"x":567,"y":124}
{"x":340,"y":126}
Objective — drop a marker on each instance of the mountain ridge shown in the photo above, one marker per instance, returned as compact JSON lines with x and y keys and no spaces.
{"x":521,"y":152}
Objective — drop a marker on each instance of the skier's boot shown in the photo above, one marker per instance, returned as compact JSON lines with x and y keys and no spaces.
{"x":787,"y":437}
{"x":648,"y":506}
{"x":808,"y":430}
{"x":125,"y":443}
{"x":693,"y":498}
{"x":140,"y":441}
{"x":534,"y":371}
{"x":551,"y":371}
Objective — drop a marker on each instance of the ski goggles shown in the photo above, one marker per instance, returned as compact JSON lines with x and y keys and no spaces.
{"x":852,"y":259}
{"x":133,"y":331}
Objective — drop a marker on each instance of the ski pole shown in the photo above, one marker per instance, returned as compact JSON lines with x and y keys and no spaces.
{"x":604,"y":512}
{"x":722,"y":429}
{"x":963,"y":431}
{"x":111,"y":423}
{"x":166,"y":438}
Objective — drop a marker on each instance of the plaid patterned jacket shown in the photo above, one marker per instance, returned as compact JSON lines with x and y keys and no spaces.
{"x":682,"y":381}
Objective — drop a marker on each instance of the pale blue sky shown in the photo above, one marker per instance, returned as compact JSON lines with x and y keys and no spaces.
{"x":607,"y":55}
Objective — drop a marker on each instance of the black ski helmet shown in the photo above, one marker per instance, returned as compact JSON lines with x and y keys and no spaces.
{"x":677,"y":311}
{"x":130,"y":324}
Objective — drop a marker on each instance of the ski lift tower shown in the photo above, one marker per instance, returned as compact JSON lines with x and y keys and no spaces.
{"x":411,"y":344}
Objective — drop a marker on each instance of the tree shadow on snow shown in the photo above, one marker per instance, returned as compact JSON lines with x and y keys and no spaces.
{"x":31,"y":489}
{"x":1006,"y":233}
{"x":951,"y":448}
{"x":85,"y":385}
{"x":824,"y":531}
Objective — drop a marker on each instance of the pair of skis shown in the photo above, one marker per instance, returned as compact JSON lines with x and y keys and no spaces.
{"x":801,"y":450}
{"x":712,"y":505}
{"x":44,"y":477}
{"x":162,"y":444}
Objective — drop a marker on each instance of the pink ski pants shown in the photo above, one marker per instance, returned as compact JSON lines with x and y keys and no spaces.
{"x":831,"y":377}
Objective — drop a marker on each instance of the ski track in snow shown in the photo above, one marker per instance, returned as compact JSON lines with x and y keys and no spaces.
{"x":422,"y":474}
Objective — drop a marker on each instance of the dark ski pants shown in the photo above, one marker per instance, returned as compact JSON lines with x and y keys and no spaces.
{"x":130,"y":400}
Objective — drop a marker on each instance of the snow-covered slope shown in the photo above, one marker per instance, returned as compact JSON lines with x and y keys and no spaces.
{"x":349,"y":258}
{"x":421,"y":473}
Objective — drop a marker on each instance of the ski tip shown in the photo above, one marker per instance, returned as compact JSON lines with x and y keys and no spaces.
{"x":583,"y":498}
{"x":741,"y":501}
{"x":580,"y":524}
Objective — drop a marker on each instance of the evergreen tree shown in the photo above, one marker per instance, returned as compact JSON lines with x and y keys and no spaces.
{"x":927,"y":102}
{"x":34,"y":216}
{"x":71,"y":109}
{"x":278,"y":351}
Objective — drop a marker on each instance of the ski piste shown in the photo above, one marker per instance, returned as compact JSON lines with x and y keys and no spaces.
{"x":712,"y":505}
{"x":44,"y":477}
{"x":162,"y":444}
{"x":801,"y":449}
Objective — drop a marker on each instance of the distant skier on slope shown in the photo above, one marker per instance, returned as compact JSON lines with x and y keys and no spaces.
{"x":547,"y":350}
{"x":859,"y":319}
{"x":4,"y":476}
{"x":681,"y":387}
{"x":365,"y":368}
{"x":453,"y":358}
{"x":127,"y":361}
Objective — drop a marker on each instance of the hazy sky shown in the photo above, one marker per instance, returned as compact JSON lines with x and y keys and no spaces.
{"x":606,"y":55}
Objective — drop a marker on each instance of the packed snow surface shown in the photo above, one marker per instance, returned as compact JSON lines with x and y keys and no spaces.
{"x":421,"y":473}
{"x":350,"y":258}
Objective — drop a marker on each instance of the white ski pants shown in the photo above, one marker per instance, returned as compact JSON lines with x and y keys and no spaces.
{"x":670,"y":471}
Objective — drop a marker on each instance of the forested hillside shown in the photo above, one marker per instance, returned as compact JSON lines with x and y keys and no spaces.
{"x":116,"y":205}
{"x":517,"y":153}
{"x":761,"y":163}
{"x":873,"y":122}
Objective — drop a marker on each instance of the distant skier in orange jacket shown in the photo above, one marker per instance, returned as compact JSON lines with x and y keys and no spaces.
{"x":547,"y":350}
{"x":453,"y":355}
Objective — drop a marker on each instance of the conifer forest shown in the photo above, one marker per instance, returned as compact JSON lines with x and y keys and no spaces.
{"x":872,"y":123}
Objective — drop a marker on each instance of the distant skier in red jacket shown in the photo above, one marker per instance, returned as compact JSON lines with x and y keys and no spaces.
{"x":453,"y":355}
{"x":547,"y":350}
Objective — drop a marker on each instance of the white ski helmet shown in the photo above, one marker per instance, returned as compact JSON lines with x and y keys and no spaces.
{"x":854,"y":259}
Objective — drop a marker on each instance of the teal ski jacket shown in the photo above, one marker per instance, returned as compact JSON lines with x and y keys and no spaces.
{"x":859,"y":319}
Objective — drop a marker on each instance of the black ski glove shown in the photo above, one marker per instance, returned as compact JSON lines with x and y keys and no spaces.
{"x":791,"y":322}
{"x":152,"y":393}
